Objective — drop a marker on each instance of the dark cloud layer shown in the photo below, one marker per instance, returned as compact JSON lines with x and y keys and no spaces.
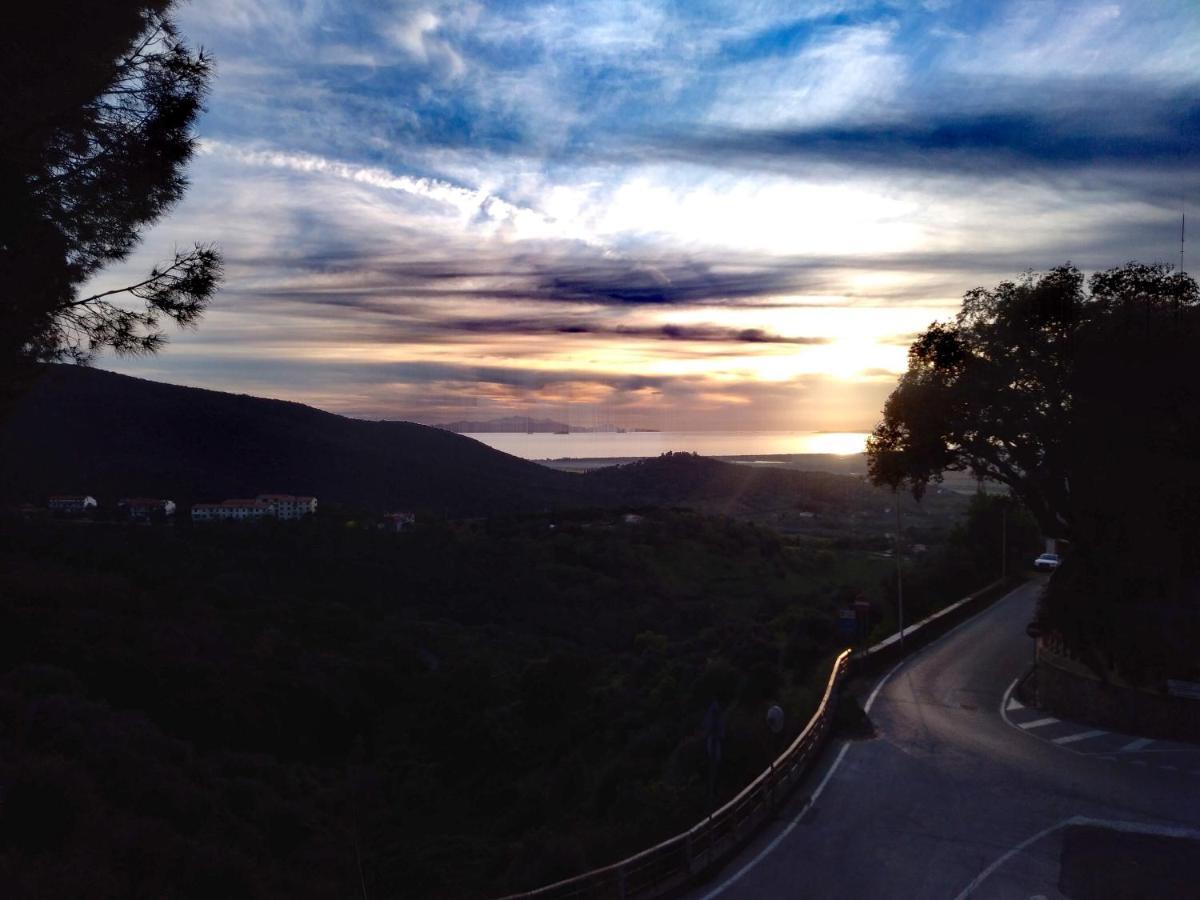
{"x":691,"y":333}
{"x":1110,"y":129}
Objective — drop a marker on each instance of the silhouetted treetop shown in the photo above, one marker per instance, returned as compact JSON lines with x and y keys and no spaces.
{"x":96,"y":117}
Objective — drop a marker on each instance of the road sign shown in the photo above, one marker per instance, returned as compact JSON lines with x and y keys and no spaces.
{"x":847,"y":623}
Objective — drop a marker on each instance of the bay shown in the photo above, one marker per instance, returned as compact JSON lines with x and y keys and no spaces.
{"x":639,"y":444}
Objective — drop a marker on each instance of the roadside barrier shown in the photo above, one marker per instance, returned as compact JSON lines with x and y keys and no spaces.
{"x":675,"y":862}
{"x":679,"y":861}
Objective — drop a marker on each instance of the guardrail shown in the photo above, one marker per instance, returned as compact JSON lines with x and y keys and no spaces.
{"x":676,"y":861}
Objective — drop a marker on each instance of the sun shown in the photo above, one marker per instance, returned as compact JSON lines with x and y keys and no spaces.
{"x":838,"y":443}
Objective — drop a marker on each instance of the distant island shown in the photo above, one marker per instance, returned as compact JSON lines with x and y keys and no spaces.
{"x":528,"y":425}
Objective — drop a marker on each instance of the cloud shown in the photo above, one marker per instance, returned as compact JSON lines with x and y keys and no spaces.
{"x":1162,"y":134}
{"x":701,"y":333}
{"x":678,"y":210}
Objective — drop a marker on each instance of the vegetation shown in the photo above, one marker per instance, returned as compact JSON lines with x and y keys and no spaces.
{"x":98,"y":114}
{"x":249,"y":711}
{"x":996,"y":537}
{"x":304,"y":709}
{"x":1082,"y":398}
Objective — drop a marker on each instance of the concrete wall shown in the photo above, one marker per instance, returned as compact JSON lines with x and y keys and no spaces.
{"x":1064,"y":690}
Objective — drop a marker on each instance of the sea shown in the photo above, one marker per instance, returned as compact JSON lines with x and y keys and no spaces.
{"x":639,"y":444}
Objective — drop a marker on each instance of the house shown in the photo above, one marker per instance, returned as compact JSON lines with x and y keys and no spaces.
{"x":231,"y":511}
{"x":398,"y":521}
{"x":145,"y":509}
{"x":265,"y":506}
{"x":71,"y":504}
{"x":286,"y":507}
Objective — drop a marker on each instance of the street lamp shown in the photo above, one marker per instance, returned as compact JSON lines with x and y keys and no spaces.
{"x":899,"y":571}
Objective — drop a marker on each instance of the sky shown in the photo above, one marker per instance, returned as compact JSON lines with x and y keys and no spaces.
{"x":668,"y":215}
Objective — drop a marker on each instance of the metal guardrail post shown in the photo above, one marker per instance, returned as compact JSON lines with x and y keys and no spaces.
{"x":621,"y":882}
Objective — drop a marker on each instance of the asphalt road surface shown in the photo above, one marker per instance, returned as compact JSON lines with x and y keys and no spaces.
{"x":960,"y":796}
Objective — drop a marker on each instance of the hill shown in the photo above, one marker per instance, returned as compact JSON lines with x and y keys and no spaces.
{"x":507,"y":425}
{"x":90,"y":431}
{"x":83,"y":430}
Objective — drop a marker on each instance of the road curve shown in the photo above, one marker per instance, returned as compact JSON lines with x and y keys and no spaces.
{"x":951,"y":800}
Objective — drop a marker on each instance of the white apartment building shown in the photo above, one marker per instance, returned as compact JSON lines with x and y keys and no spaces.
{"x":71,"y":504}
{"x":274,"y":506}
{"x":231,"y":511}
{"x":288,"y":507}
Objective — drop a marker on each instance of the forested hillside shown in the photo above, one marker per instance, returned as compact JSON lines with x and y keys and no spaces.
{"x":248,"y":711}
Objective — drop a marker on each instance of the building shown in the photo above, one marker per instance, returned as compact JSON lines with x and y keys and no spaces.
{"x":231,"y":511}
{"x":145,"y":509}
{"x":71,"y":504}
{"x":398,"y":521}
{"x":286,"y":507}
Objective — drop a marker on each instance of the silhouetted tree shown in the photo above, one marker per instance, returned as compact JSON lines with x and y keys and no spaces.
{"x":1084,"y":399}
{"x":995,"y":391}
{"x":96,"y":114}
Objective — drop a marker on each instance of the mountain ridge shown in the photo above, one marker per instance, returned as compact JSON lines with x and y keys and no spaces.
{"x":86,"y":430}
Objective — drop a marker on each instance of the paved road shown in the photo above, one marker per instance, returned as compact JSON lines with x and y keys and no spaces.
{"x":954,"y":799}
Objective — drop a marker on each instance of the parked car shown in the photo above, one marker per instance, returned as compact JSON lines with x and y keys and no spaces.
{"x":1047,"y":562}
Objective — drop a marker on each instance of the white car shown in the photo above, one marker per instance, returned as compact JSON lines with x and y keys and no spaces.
{"x":1047,"y":562}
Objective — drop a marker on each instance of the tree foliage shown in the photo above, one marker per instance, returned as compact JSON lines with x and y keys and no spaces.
{"x":1081,"y":395}
{"x":314,"y":711}
{"x":97,"y":114}
{"x":996,"y":391}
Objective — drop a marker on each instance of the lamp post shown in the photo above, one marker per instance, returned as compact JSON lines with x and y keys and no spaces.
{"x":899,"y":572}
{"x":1004,"y":539}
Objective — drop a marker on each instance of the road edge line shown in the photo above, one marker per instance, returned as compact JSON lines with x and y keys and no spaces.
{"x":775,"y":841}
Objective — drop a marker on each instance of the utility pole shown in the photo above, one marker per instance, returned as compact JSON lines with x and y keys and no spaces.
{"x":1004,"y":539}
{"x":899,"y":572}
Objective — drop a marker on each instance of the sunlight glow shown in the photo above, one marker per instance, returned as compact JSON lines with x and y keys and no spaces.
{"x":839,"y":443}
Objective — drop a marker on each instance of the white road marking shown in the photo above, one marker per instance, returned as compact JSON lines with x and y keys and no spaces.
{"x":1082,"y":736}
{"x":1135,"y":827}
{"x":1134,"y":746}
{"x":1038,"y":723}
{"x":736,"y":876}
{"x":983,"y":876}
{"x":1004,"y":700}
{"x":1014,"y":704}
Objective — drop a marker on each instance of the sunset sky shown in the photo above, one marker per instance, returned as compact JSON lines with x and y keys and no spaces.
{"x":661,"y":215}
